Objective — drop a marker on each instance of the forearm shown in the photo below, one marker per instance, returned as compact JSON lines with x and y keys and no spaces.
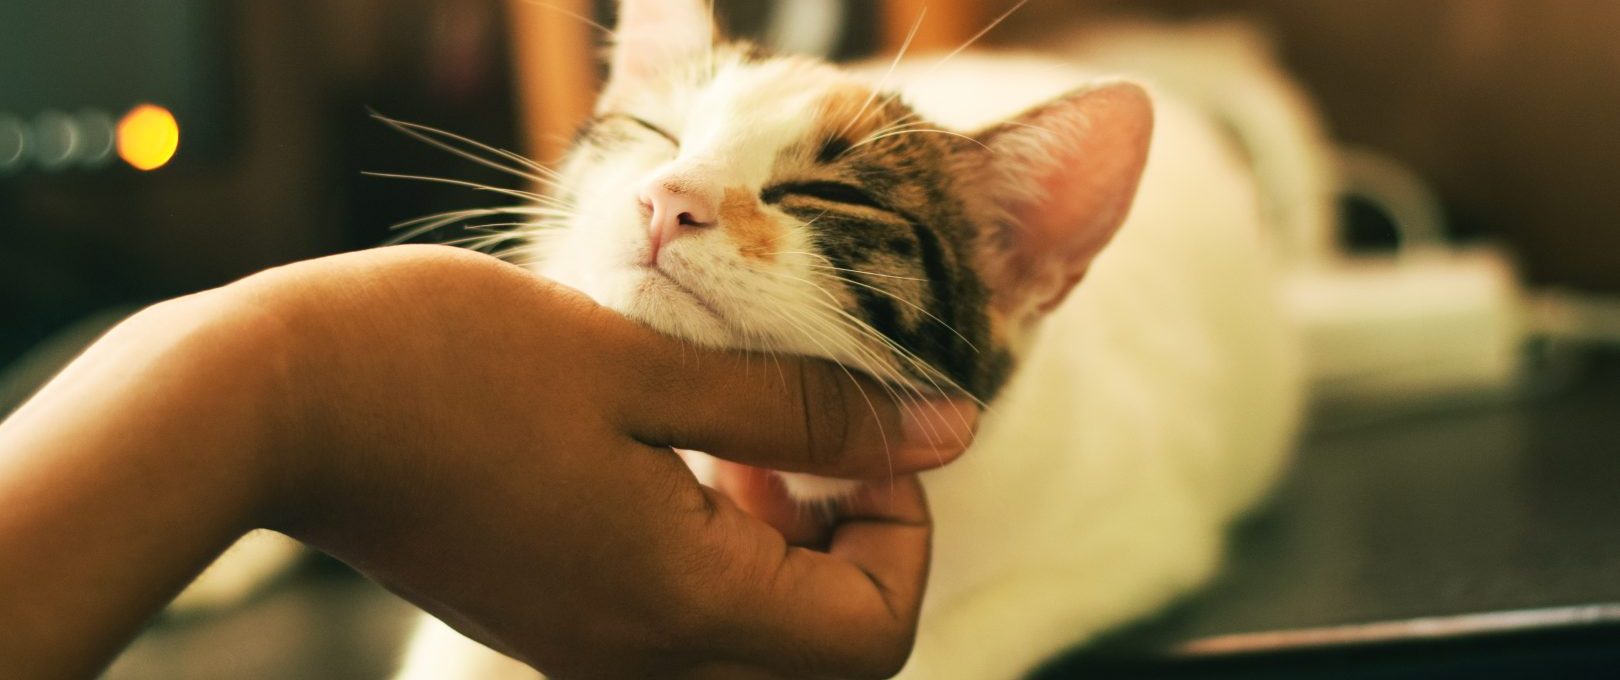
{"x":122,"y":479}
{"x":488,"y":444}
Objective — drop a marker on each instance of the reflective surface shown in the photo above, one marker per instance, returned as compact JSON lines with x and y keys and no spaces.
{"x":1476,"y":543}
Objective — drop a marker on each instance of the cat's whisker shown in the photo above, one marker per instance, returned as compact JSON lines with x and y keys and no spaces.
{"x":476,"y":238}
{"x":885,"y":131}
{"x":873,"y":363}
{"x":498,"y":227}
{"x":435,"y":137}
{"x":867,"y":273}
{"x":714,"y":37}
{"x":910,"y":304}
{"x":540,"y":212}
{"x":828,"y":261}
{"x":860,"y":114}
{"x":980,"y":35}
{"x":867,"y":359}
{"x":488,"y":235}
{"x":830,"y":266}
{"x":414,"y":228}
{"x":863,"y":329}
{"x":924,"y":369}
{"x":515,"y":193}
{"x":889,"y":375}
{"x":842,"y":279}
{"x":831,"y":303}
{"x":574,"y":15}
{"x":481,"y":243}
{"x":910,"y":118}
{"x":541,"y":240}
{"x":870,"y":362}
{"x":453,"y":214}
{"x":887,"y":449}
{"x":927,"y":371}
{"x":548,"y":174}
{"x":814,"y":220}
{"x":959,"y":49}
{"x":908,"y":132}
{"x":901,"y":123}
{"x":845,"y":333}
{"x":1014,"y":123}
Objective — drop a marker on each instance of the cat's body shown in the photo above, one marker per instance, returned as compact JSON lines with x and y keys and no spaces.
{"x":1148,"y":409}
{"x":1156,"y":404}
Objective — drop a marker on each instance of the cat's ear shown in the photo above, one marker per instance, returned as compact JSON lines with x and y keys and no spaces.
{"x":1061,"y":177}
{"x":653,"y":34}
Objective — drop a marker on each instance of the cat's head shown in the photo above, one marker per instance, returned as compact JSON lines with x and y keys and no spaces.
{"x":743,"y":200}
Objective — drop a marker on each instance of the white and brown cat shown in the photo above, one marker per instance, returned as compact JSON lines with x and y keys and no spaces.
{"x":1087,"y":258}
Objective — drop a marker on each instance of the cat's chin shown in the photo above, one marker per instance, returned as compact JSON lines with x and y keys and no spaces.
{"x":671,"y":308}
{"x":812,"y":489}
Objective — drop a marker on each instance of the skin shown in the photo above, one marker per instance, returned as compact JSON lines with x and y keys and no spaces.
{"x":491,"y":446}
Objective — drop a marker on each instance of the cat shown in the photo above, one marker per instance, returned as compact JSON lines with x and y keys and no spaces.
{"x":1086,"y":257}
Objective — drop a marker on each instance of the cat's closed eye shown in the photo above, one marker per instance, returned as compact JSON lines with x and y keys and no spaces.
{"x":832,"y":192}
{"x":643,"y":123}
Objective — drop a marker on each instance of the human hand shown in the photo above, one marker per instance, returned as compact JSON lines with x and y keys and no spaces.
{"x":496,"y":448}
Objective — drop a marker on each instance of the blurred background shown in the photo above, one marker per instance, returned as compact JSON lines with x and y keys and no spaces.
{"x":154,"y":148}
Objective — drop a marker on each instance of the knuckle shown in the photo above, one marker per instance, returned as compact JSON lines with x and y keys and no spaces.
{"x":693,"y":591}
{"x":887,"y":657}
{"x":826,"y":404}
{"x":683,"y":618}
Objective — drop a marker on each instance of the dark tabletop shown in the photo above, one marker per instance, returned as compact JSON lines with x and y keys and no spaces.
{"x":1476,"y":542}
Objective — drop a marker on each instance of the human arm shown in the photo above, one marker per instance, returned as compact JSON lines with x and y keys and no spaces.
{"x":487,"y":444}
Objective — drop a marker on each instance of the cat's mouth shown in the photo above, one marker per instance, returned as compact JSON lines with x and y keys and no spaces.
{"x":657,"y":281}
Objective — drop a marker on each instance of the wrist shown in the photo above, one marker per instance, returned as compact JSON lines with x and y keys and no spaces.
{"x":254,"y":338}
{"x":226,"y":355}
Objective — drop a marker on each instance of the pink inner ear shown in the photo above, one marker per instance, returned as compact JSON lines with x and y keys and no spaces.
{"x":653,"y":33}
{"x":1074,"y":165}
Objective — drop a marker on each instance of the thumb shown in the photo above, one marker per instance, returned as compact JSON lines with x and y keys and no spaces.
{"x":791,"y":414}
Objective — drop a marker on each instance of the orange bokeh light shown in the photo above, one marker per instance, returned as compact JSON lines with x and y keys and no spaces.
{"x":148,"y":136}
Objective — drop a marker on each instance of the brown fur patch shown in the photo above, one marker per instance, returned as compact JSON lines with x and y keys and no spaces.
{"x":755,"y":233}
{"x":840,"y":106}
{"x":852,"y":112}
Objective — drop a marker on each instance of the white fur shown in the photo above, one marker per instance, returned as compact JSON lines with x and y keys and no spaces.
{"x":730,"y":131}
{"x":1153,"y":406}
{"x":1158,"y":402}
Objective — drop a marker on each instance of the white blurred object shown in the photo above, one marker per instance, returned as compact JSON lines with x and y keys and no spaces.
{"x":1391,"y":335}
{"x":1398,"y":191}
{"x":1229,"y":68}
{"x":1429,"y":326}
{"x":1565,"y":316}
{"x":807,"y":26}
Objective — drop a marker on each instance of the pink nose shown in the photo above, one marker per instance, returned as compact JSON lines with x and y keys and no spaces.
{"x":675,"y":212}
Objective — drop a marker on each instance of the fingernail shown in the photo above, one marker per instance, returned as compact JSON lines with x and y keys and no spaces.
{"x":942,"y":427}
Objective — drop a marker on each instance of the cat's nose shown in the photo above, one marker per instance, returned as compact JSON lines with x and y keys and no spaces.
{"x":674,"y":211}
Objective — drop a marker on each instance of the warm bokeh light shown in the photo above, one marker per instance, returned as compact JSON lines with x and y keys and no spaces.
{"x":148,"y":136}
